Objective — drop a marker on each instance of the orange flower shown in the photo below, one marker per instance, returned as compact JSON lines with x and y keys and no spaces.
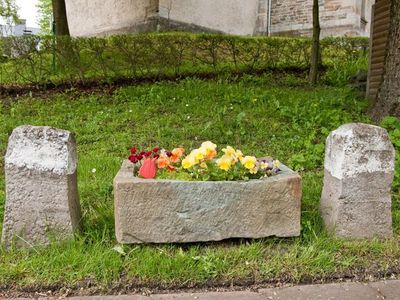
{"x":163,"y":162}
{"x":177,"y":153}
{"x":211,"y":154}
{"x":171,"y":168}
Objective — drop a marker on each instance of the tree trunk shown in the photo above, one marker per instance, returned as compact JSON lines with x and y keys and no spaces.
{"x":60,"y":17}
{"x":388,"y":100}
{"x":315,"y":55}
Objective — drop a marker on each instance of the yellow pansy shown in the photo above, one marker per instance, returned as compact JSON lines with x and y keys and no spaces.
{"x":208,"y":146}
{"x":224,"y":163}
{"x":277,"y":164}
{"x":239,"y":155}
{"x":198,"y":155}
{"x":249,"y":162}
{"x":203,"y":165}
{"x":229,"y":151}
{"x":264,"y":165}
{"x":188,"y":162}
{"x":254,"y":170}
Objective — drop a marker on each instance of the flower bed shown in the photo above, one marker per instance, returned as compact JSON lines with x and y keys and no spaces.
{"x":201,"y":164}
{"x":174,"y":211}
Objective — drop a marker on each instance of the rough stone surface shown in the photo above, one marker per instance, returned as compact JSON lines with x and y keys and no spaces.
{"x":165,"y":211}
{"x":228,"y":16}
{"x":359,"y":170}
{"x":105,"y":17}
{"x":41,"y":186}
{"x":334,"y":291}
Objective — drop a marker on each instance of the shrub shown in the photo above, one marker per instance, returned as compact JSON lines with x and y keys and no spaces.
{"x":392,"y":124}
{"x":29,"y":59}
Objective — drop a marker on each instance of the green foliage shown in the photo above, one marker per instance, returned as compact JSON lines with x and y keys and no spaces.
{"x":45,"y":10}
{"x":344,"y":58}
{"x":163,"y":55}
{"x":9,"y":9}
{"x":8,"y":15}
{"x":392,"y":124}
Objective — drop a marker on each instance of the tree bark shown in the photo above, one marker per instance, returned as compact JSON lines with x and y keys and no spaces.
{"x":388,"y":100}
{"x":60,"y":17}
{"x":315,"y":55}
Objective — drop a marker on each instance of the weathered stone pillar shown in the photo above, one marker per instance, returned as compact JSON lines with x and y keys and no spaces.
{"x":359,"y":170}
{"x":41,"y":186}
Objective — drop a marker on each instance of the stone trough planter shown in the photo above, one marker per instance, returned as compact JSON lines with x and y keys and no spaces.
{"x":169,"y":211}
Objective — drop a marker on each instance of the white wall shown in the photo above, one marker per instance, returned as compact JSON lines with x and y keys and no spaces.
{"x":229,"y":16}
{"x":97,"y":17}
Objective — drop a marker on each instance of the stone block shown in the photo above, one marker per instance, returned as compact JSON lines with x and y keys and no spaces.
{"x":41,"y":186}
{"x":169,"y":211}
{"x":359,"y":170}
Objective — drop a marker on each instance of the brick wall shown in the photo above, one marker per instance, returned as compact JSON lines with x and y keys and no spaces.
{"x":337,"y":17}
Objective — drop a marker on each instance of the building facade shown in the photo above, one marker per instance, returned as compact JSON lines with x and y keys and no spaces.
{"x":19,"y":29}
{"x":249,"y":17}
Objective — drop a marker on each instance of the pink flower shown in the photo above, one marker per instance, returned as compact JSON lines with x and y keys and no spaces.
{"x":148,"y":168}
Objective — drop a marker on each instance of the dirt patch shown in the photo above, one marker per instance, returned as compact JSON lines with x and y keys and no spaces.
{"x":90,"y":86}
{"x":134,"y":286}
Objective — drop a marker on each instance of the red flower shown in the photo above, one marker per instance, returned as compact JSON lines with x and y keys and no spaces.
{"x":156,"y":156}
{"x":148,"y":169}
{"x":142,"y":153}
{"x":133,"y":150}
{"x":169,"y":154}
{"x":148,"y":153}
{"x":133,"y":159}
{"x":140,"y":157}
{"x":155,"y":150}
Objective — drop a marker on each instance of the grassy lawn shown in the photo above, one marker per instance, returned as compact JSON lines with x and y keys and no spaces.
{"x":289,"y":121}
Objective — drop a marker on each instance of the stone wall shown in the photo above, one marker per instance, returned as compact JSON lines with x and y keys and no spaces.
{"x":228,"y":16}
{"x":337,"y":17}
{"x":102,"y":17}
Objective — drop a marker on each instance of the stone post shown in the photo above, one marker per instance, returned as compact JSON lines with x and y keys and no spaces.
{"x":359,"y":170}
{"x":41,"y":186}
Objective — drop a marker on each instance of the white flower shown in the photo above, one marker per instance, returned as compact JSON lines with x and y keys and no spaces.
{"x":188,"y":117}
{"x":94,"y":170}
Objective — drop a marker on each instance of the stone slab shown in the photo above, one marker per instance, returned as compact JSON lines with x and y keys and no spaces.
{"x":183,"y":296}
{"x":334,"y":291}
{"x":41,"y":186}
{"x":168,"y":211}
{"x":389,"y":290}
{"x":359,"y":170}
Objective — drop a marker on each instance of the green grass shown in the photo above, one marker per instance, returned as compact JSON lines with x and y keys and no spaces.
{"x":287,"y":121}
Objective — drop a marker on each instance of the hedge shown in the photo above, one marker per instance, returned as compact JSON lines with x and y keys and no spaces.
{"x":30,"y":59}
